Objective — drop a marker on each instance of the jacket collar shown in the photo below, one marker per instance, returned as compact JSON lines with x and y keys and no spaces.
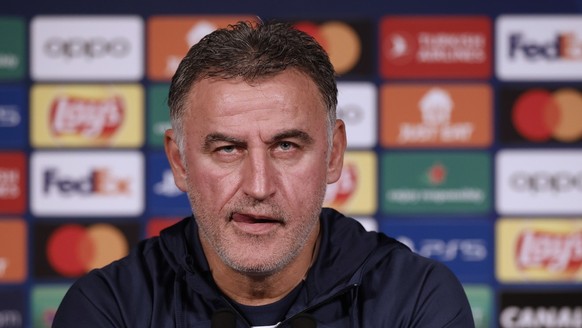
{"x":344,"y":247}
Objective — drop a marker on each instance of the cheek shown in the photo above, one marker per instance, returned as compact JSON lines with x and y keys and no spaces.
{"x":210,"y":185}
{"x":305,"y":181}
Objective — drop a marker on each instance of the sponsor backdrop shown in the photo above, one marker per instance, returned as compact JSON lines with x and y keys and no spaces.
{"x":464,"y":127}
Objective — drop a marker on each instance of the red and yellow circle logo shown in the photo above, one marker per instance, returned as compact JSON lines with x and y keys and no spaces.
{"x":539,"y":115}
{"x":73,"y":249}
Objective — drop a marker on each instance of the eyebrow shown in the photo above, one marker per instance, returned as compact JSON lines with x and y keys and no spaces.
{"x":288,"y":134}
{"x":292,"y":134}
{"x":221,"y":137}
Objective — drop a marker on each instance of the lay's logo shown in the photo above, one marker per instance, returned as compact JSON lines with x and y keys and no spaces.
{"x":87,"y":116}
{"x":536,"y":250}
{"x":554,"y":252}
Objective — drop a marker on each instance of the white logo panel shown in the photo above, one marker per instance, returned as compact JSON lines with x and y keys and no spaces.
{"x":539,"y":182}
{"x":358,"y":108}
{"x":87,"y":183}
{"x":65,"y":48}
{"x":539,"y":47}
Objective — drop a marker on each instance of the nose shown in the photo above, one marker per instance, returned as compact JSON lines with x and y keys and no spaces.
{"x":258,"y":177}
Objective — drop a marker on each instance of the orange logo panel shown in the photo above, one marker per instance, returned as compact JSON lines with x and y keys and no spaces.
{"x":170,"y":38}
{"x":436,"y":115}
{"x":12,"y":251}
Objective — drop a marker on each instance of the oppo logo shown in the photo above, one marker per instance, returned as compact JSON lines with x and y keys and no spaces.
{"x":351,"y":114}
{"x":546,"y":182}
{"x":88,"y":48}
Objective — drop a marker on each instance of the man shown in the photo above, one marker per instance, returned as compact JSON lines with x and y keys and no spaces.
{"x":254,"y":143}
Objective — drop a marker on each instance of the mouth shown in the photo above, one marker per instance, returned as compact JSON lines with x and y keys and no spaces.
{"x":254,"y":224}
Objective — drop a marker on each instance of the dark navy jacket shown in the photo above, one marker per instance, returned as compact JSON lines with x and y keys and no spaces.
{"x":359,"y":279}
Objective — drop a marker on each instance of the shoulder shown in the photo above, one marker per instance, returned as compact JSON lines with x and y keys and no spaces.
{"x":419,"y":288}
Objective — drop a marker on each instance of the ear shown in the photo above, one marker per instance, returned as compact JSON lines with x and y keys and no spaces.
{"x":175,"y":159}
{"x":336,"y":159}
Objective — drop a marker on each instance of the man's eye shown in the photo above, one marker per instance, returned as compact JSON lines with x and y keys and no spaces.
{"x":227,"y":149}
{"x":286,"y":145}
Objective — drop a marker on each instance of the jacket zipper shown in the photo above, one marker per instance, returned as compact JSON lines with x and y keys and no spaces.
{"x":327,"y":299}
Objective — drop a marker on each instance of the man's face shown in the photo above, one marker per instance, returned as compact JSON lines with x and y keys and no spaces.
{"x":255,"y":165}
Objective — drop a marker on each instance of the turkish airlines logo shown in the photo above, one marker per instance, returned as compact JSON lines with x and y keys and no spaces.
{"x":445,"y":115}
{"x":435,"y":47}
{"x":401,"y":48}
{"x":90,"y":118}
{"x":13,"y":181}
{"x":539,"y":47}
{"x":87,"y":48}
{"x":10,"y":183}
{"x":539,"y":181}
{"x":80,"y":183}
{"x":540,"y":115}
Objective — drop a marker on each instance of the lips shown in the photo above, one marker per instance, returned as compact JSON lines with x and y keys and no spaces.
{"x":247,"y":218}
{"x":254,"y":224}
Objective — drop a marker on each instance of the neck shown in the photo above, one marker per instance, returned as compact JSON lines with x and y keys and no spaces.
{"x":261,"y":289}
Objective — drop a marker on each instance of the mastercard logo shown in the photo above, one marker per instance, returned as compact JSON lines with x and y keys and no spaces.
{"x":73,"y":249}
{"x":540,"y":115}
{"x":340,"y":41}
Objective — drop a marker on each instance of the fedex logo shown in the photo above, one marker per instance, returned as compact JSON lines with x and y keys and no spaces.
{"x":82,"y":183}
{"x":98,"y":181}
{"x":562,"y":46}
{"x":538,"y":47}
